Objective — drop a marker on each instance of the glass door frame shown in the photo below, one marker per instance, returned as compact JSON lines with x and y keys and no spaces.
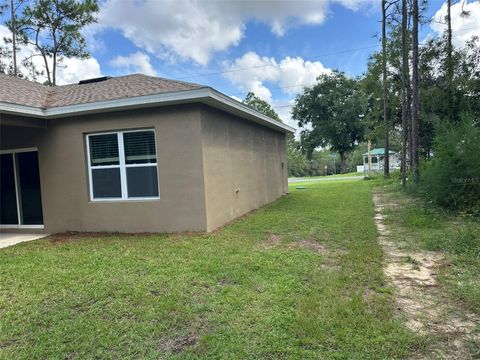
{"x":17,"y":191}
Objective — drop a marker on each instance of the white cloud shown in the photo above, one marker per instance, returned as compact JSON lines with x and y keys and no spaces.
{"x":195,"y":29}
{"x":261,"y":75}
{"x":284,"y":110}
{"x":74,"y":70}
{"x":356,"y":5}
{"x":183,"y":28}
{"x":136,"y":62}
{"x":463,"y":27}
{"x":236,"y":98}
{"x":252,"y":72}
{"x":70,"y":71}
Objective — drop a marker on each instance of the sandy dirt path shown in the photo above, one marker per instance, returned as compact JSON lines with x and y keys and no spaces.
{"x":420,"y":299}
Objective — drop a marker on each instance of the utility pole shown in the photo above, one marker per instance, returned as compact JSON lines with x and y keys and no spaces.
{"x":369,"y":159}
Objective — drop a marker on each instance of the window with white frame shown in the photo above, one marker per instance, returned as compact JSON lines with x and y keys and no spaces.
{"x":122,"y":165}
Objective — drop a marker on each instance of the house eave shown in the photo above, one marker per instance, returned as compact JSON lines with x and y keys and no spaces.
{"x":204,"y":95}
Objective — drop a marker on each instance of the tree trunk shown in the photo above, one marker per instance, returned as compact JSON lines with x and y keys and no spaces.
{"x":47,"y":69}
{"x":14,"y":38}
{"x":54,"y":69}
{"x":415,"y":104}
{"x":405,"y":74}
{"x":44,"y":56}
{"x":343,"y":163}
{"x":450,"y":101}
{"x":409,"y":115}
{"x":386,"y":157}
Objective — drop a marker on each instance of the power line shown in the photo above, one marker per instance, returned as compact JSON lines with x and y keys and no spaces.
{"x":273,"y":86}
{"x":276,"y":65}
{"x":316,"y":57}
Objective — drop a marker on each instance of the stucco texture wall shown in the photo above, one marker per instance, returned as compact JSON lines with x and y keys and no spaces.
{"x":212,"y":168}
{"x":64,"y":174}
{"x":245,"y":166}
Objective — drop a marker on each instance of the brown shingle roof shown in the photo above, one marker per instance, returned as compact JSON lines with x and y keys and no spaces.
{"x":24,"y":92}
{"x":18,"y":91}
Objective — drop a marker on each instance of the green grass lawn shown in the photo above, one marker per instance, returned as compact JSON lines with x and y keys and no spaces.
{"x":333,"y":176}
{"x":298,"y":279}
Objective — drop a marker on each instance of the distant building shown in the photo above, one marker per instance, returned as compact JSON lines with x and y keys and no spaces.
{"x":377,"y":161}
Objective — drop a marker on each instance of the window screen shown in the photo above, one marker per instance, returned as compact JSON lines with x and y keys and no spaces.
{"x":142,"y":181}
{"x":106,"y":183}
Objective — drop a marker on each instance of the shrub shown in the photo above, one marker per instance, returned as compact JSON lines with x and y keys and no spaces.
{"x":451,"y":178}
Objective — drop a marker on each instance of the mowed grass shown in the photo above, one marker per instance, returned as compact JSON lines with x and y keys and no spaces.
{"x":331,"y":176}
{"x":256,"y":289}
{"x":418,"y":225}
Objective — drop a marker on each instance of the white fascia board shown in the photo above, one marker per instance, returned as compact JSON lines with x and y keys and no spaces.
{"x":16,"y":109}
{"x":105,"y":106}
{"x":128,"y":103}
{"x":204,"y":95}
{"x":245,"y":111}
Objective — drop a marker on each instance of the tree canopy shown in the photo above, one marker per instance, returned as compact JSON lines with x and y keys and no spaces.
{"x":54,"y":28}
{"x":260,"y":105}
{"x":330,"y":113}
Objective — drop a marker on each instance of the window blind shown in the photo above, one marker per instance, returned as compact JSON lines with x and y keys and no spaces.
{"x":139,"y":147}
{"x":104,"y":149}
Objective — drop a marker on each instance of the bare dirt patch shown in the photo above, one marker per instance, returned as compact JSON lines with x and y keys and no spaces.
{"x":310,"y":245}
{"x":275,"y":241}
{"x":272,"y":241}
{"x":178,"y":344}
{"x":419,"y":297}
{"x":7,"y":343}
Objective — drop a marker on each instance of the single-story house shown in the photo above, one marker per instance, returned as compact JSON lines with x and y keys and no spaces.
{"x":133,"y":154}
{"x":377,"y":156}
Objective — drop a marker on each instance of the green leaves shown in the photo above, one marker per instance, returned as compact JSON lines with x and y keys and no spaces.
{"x":260,"y":105}
{"x":333,"y":108}
{"x":54,"y":28}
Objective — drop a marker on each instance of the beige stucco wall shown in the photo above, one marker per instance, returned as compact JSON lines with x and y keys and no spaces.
{"x":203,"y":155}
{"x":242,"y":166}
{"x":64,"y":180}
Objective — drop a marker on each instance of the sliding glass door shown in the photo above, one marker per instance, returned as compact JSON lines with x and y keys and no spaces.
{"x":8,"y":193}
{"x":20,"y":197}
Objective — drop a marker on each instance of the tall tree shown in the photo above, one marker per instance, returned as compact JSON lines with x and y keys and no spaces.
{"x":13,"y":6}
{"x":260,"y":105}
{"x":386,"y":157}
{"x":13,"y":27}
{"x":333,"y":108}
{"x":405,"y":75}
{"x":54,"y":28}
{"x":449,"y":61}
{"x":415,"y":103}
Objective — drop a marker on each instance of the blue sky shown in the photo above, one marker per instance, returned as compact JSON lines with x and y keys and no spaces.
{"x":271,"y":47}
{"x":343,"y":41}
